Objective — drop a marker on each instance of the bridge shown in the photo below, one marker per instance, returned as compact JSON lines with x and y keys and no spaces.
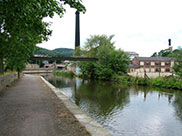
{"x":65,"y":58}
{"x":37,"y":70}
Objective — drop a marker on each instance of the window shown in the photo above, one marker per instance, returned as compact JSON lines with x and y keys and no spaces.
{"x":157,"y":63}
{"x":157,"y":70}
{"x":147,"y":63}
{"x":167,"y":63}
{"x":167,"y":70}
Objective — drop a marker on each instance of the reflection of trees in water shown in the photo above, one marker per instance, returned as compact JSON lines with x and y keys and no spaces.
{"x":174,"y":97}
{"x":61,"y":82}
{"x":177,"y":103}
{"x":101,"y":98}
{"x":161,"y":92}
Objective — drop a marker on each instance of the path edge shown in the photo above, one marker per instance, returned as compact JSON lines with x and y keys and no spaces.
{"x":94,"y":128}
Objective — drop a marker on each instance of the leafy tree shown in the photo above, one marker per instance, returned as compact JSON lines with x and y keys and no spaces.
{"x":111,"y":62}
{"x":177,"y":55}
{"x":22,"y":27}
{"x":162,"y":53}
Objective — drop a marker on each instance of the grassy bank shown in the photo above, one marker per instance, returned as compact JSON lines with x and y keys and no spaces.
{"x":6,"y":73}
{"x":64,"y":74}
{"x":165,"y":82}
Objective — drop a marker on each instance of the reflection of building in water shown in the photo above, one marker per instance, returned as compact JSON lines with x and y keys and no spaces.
{"x":169,"y":98}
{"x":159,"y":96}
{"x":169,"y":95}
{"x":145,"y":95}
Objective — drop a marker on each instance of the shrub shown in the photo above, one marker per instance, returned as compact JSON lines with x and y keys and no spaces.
{"x":64,"y":74}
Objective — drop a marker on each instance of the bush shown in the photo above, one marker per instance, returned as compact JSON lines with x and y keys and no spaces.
{"x":64,"y":74}
{"x":165,"y":82}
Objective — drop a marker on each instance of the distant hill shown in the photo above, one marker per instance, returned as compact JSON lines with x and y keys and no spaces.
{"x":66,"y":52}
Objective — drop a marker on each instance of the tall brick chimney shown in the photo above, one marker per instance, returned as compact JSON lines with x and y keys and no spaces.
{"x":170,"y":47}
{"x":77,"y":30}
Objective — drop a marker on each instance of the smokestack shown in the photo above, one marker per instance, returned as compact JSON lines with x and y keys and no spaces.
{"x":169,"y":40}
{"x":170,"y":47}
{"x":77,"y":30}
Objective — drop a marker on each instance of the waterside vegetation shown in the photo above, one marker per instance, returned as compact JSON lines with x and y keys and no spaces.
{"x":69,"y":74}
{"x":170,"y":82}
{"x":112,"y":62}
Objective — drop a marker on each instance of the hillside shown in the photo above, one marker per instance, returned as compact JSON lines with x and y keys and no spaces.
{"x":66,"y":52}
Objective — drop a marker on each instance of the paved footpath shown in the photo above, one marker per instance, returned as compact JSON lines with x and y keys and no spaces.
{"x":30,"y":108}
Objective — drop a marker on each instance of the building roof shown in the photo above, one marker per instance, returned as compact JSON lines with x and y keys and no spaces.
{"x":131,"y":53}
{"x":134,"y":66}
{"x":153,"y":58}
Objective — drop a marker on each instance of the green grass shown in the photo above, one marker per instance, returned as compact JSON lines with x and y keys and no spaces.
{"x":165,"y":82}
{"x":64,"y":74}
{"x":6,"y":73}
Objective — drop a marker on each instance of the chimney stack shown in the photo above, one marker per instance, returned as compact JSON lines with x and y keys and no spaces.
{"x":170,"y":47}
{"x":169,"y":40}
{"x":77,"y":30}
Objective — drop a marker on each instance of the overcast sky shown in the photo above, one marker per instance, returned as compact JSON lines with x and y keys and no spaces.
{"x":143,"y":26}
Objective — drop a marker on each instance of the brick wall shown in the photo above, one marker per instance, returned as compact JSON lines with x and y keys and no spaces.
{"x":7,"y":79}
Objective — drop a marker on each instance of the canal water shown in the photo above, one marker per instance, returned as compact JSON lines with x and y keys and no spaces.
{"x":126,"y":110}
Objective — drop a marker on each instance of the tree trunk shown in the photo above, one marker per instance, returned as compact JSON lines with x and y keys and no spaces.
{"x":1,"y":66}
{"x":18,"y":73}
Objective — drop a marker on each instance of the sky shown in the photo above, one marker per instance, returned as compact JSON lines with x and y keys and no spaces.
{"x":142,"y":26}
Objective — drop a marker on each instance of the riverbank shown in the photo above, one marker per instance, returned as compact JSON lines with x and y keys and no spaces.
{"x":94,"y":128}
{"x":29,"y":107}
{"x":170,"y":82}
{"x":69,"y":74}
{"x":7,"y":78}
{"x":163,"y":82}
{"x":125,"y":109}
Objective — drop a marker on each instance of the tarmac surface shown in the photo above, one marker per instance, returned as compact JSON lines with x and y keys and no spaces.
{"x":30,"y":108}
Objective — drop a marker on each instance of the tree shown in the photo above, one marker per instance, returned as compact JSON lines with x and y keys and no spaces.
{"x":177,"y":55}
{"x":22,"y":27}
{"x":111,"y":62}
{"x":162,"y":53}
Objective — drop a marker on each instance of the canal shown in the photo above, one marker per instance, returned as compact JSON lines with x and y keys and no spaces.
{"x":126,"y":110}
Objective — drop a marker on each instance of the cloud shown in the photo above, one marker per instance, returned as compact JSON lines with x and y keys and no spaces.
{"x":143,"y":26}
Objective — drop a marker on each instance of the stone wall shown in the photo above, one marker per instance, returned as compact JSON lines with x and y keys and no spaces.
{"x":7,"y":79}
{"x":150,"y":74}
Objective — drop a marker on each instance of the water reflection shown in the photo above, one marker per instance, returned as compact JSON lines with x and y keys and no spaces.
{"x":99,"y":100}
{"x":177,"y":103}
{"x":126,"y":110}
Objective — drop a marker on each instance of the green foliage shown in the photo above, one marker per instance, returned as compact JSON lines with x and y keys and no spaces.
{"x":178,"y":63}
{"x":177,"y":55}
{"x":111,"y":62}
{"x":22,"y":27}
{"x":162,"y":53}
{"x":165,"y":82}
{"x":59,"y":52}
{"x":78,"y":52}
{"x":69,"y":74}
{"x":43,"y":51}
{"x":64,"y":51}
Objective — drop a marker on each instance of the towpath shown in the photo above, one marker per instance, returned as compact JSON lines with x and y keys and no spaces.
{"x":30,"y":108}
